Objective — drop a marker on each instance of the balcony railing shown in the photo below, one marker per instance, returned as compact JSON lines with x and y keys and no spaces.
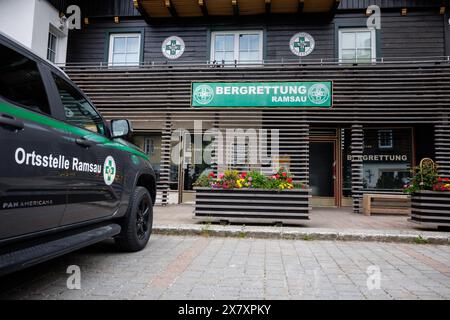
{"x":261,"y":63}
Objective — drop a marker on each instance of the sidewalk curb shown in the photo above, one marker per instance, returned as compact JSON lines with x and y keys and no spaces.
{"x":399,"y":236}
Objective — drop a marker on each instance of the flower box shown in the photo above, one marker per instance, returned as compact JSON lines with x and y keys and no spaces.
{"x":247,"y":205}
{"x":431,"y":208}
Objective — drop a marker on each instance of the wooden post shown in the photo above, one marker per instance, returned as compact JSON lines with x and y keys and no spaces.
{"x":357,"y":149}
{"x":442,"y":147}
{"x":367,"y":203}
{"x":303,"y":141}
{"x":164,"y":175}
{"x":215,"y":152}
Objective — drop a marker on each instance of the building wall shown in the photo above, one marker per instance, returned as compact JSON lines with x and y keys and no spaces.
{"x":47,"y":17}
{"x":416,"y":35}
{"x":157,"y":98}
{"x":16,"y":20}
{"x":447,"y":34}
{"x":29,"y":21}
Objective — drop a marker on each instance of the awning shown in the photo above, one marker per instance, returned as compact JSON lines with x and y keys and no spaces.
{"x":203,"y":8}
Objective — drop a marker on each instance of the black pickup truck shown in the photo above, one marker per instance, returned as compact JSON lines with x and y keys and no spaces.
{"x":68,"y":178}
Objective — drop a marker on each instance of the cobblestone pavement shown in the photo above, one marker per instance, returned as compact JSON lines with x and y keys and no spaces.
{"x":174,"y":267}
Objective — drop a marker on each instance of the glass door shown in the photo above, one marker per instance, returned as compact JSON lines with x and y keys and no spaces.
{"x":192,"y":165}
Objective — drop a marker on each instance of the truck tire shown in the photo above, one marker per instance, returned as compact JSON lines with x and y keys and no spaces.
{"x":137,"y":223}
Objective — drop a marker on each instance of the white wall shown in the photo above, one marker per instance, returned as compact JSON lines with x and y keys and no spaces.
{"x":17,"y":18}
{"x":46,"y":18}
{"x":29,"y":21}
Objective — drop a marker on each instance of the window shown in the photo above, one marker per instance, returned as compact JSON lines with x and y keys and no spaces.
{"x":388,"y":158}
{"x":385,"y":139}
{"x":151,"y":145}
{"x":51,"y":47}
{"x":357,"y":45}
{"x":124,"y":49}
{"x":79,"y":111}
{"x":21,"y":82}
{"x":244,"y":47}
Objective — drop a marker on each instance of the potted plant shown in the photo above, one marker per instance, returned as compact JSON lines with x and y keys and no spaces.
{"x":234,"y":196}
{"x":430,"y":195}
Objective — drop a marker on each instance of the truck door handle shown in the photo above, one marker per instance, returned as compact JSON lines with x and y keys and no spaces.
{"x":84,"y":142}
{"x":11,"y":122}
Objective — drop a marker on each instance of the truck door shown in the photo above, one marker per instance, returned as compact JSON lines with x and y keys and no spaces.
{"x":32,"y":182}
{"x":95,"y":182}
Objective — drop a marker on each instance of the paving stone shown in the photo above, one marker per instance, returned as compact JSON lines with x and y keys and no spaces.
{"x":174,"y":267}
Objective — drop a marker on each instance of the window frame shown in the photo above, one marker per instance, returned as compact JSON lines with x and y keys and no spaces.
{"x":373,"y":43}
{"x":112,"y":36}
{"x":50,"y":50}
{"x":43,"y":73}
{"x":46,"y":71}
{"x":63,"y":117}
{"x":391,"y":133}
{"x":236,"y":44}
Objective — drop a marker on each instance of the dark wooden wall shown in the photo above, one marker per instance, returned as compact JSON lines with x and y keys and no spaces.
{"x":416,"y":35}
{"x":156,"y":98}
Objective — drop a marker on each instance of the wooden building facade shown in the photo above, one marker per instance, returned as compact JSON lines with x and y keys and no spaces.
{"x":391,"y":86}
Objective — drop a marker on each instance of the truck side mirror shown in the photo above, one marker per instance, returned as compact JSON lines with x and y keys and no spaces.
{"x":121,"y":129}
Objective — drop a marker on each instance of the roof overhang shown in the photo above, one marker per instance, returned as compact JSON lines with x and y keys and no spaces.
{"x":160,"y":9}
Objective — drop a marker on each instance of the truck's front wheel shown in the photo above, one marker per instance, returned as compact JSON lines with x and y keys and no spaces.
{"x":137,"y":223}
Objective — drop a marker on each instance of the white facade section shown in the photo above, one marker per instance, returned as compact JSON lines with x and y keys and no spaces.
{"x":30,"y":21}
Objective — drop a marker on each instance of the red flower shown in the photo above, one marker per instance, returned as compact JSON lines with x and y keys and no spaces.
{"x":243,"y":174}
{"x":277,"y":176}
{"x":284,"y":174}
{"x":289,"y":180}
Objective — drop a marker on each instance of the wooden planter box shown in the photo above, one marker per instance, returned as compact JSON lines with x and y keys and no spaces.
{"x":252,"y":205}
{"x":431,"y":208}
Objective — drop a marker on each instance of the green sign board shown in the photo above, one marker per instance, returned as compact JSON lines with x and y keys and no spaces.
{"x":262,"y":94}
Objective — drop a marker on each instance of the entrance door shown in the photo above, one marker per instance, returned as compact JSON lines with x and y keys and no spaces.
{"x":191,"y":167}
{"x":322,"y":172}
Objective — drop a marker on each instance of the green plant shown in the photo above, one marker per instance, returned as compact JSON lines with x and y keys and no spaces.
{"x":307,"y":237}
{"x":206,"y":229}
{"x":232,"y":179}
{"x":242,"y":233}
{"x":257,"y":180}
{"x":443,"y":184}
{"x":205,"y":180}
{"x":420,"y":240}
{"x":424,"y":177}
{"x":281,"y":180}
